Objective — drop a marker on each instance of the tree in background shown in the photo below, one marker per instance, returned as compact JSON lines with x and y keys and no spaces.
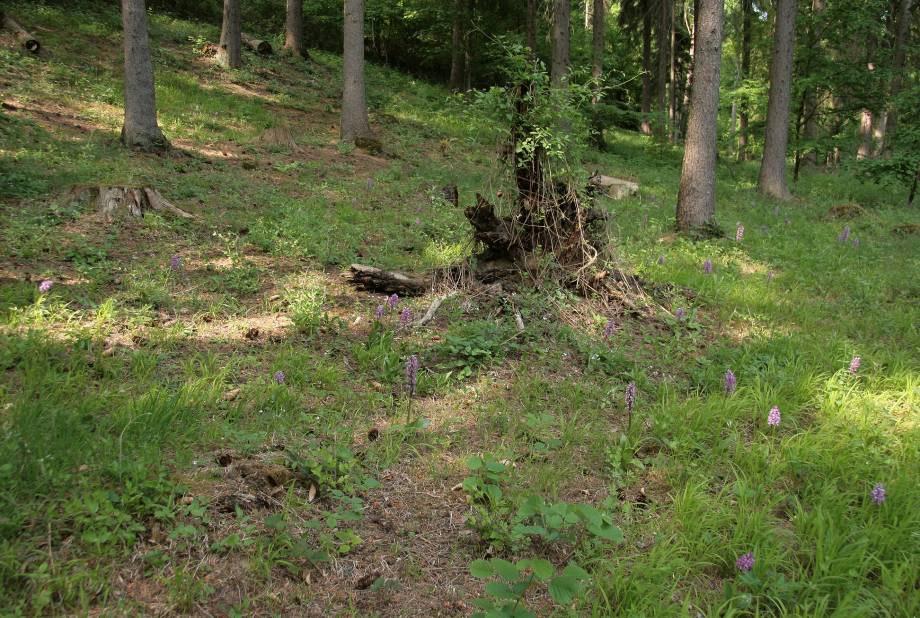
{"x":230,"y":52}
{"x":140,"y":129}
{"x":745,"y":73}
{"x":293,"y":29}
{"x":458,"y":49}
{"x":559,"y":68}
{"x":636,"y":16}
{"x":532,"y":26}
{"x":901,"y":40}
{"x":356,"y":127}
{"x":772,"y":180}
{"x":696,"y":197}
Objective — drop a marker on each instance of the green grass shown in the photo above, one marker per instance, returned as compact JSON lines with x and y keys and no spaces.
{"x":128,"y":383}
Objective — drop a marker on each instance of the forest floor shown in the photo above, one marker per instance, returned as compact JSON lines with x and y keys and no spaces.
{"x":154,"y":461}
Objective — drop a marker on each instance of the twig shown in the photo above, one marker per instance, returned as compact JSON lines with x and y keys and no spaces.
{"x":435,"y":305}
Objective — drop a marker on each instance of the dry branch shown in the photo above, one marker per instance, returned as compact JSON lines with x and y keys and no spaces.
{"x":257,"y":45}
{"x":29,"y":42}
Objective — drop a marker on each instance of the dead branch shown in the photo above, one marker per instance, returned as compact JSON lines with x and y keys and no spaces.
{"x":374,"y":279}
{"x":435,"y":305}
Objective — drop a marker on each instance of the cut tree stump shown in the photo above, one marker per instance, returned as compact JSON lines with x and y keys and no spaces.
{"x":116,"y":202}
{"x":374,"y":279}
{"x":259,"y":46}
{"x":29,"y":42}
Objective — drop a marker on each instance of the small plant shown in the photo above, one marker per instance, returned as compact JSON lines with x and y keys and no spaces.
{"x":622,"y":462}
{"x":305,"y":307}
{"x":475,"y":346}
{"x":510,"y":582}
{"x":379,"y":355}
{"x":328,"y":468}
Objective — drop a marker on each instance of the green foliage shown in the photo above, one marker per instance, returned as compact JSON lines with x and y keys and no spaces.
{"x":474,"y":345}
{"x":511,"y":582}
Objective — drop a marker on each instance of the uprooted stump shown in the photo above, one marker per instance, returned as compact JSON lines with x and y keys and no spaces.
{"x":117,"y":202}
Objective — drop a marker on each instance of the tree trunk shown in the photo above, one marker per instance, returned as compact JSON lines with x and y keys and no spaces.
{"x":598,"y":37}
{"x":559,"y":69}
{"x":664,"y":22}
{"x":589,"y":15}
{"x":29,"y":42}
{"x":672,"y":78}
{"x":293,"y":29}
{"x":355,"y":124}
{"x":140,"y":129}
{"x":772,"y":181}
{"x":532,"y":26}
{"x":897,"y":79}
{"x":457,"y":73}
{"x":688,"y":82}
{"x":646,"y":68}
{"x":746,"y":10}
{"x":696,"y":203}
{"x":864,"y":150}
{"x":811,"y":100}
{"x":230,"y":51}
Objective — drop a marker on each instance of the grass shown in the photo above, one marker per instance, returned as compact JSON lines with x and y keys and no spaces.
{"x":151,"y":462}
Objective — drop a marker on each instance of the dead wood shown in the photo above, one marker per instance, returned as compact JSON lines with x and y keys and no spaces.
{"x":259,"y":46}
{"x":374,"y":279}
{"x":28,"y":41}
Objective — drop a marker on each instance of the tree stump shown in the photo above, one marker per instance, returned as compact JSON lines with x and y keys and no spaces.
{"x":119,"y":202}
{"x":29,"y":42}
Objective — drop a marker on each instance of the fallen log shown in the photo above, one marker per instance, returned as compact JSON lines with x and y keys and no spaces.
{"x":29,"y":42}
{"x":374,"y":279}
{"x":259,"y":46}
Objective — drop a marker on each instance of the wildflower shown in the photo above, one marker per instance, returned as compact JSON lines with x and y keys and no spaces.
{"x":730,"y":382}
{"x":630,"y":396}
{"x":844,"y":234}
{"x":680,"y":313}
{"x":175,"y":262}
{"x":279,"y":377}
{"x":774,"y":417}
{"x":379,"y":311}
{"x":660,"y":260}
{"x":412,"y":374}
{"x":854,"y":364}
{"x":739,"y":233}
{"x":707,"y":267}
{"x":405,"y":318}
{"x":878,"y":493}
{"x":45,"y":286}
{"x":745,"y":562}
{"x":609,"y":329}
{"x":392,"y":301}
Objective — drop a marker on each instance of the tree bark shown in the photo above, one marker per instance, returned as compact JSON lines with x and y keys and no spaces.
{"x":672,"y":79}
{"x":293,"y":29}
{"x":140,"y":129}
{"x":355,"y":123}
{"x":230,"y":52}
{"x":866,"y":118}
{"x":589,"y":15}
{"x":696,"y":202}
{"x":746,"y":10}
{"x":888,"y":134}
{"x":664,"y":22}
{"x":458,"y":51}
{"x":646,"y":68}
{"x":688,"y":81}
{"x":559,"y":69}
{"x":29,"y":42}
{"x":532,"y":26}
{"x":259,"y":46}
{"x":772,"y":181}
{"x":598,"y":39}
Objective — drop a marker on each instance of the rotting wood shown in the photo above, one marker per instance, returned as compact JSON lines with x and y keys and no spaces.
{"x":378,"y":280}
{"x":29,"y":42}
{"x":259,"y":46}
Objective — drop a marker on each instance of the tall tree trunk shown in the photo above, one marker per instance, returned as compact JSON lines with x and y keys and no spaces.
{"x":746,"y":10}
{"x":772,"y":181}
{"x":688,"y":80}
{"x":672,"y":79}
{"x":457,"y":73}
{"x":293,"y":29}
{"x":589,"y":14}
{"x":866,"y":119}
{"x":140,"y":129}
{"x":696,"y":198}
{"x":664,"y":22}
{"x":230,"y":52}
{"x":355,"y":124}
{"x":897,"y":80}
{"x":811,"y":103}
{"x":532,"y":26}
{"x":646,"y":67}
{"x":598,"y":39}
{"x":559,"y":69}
